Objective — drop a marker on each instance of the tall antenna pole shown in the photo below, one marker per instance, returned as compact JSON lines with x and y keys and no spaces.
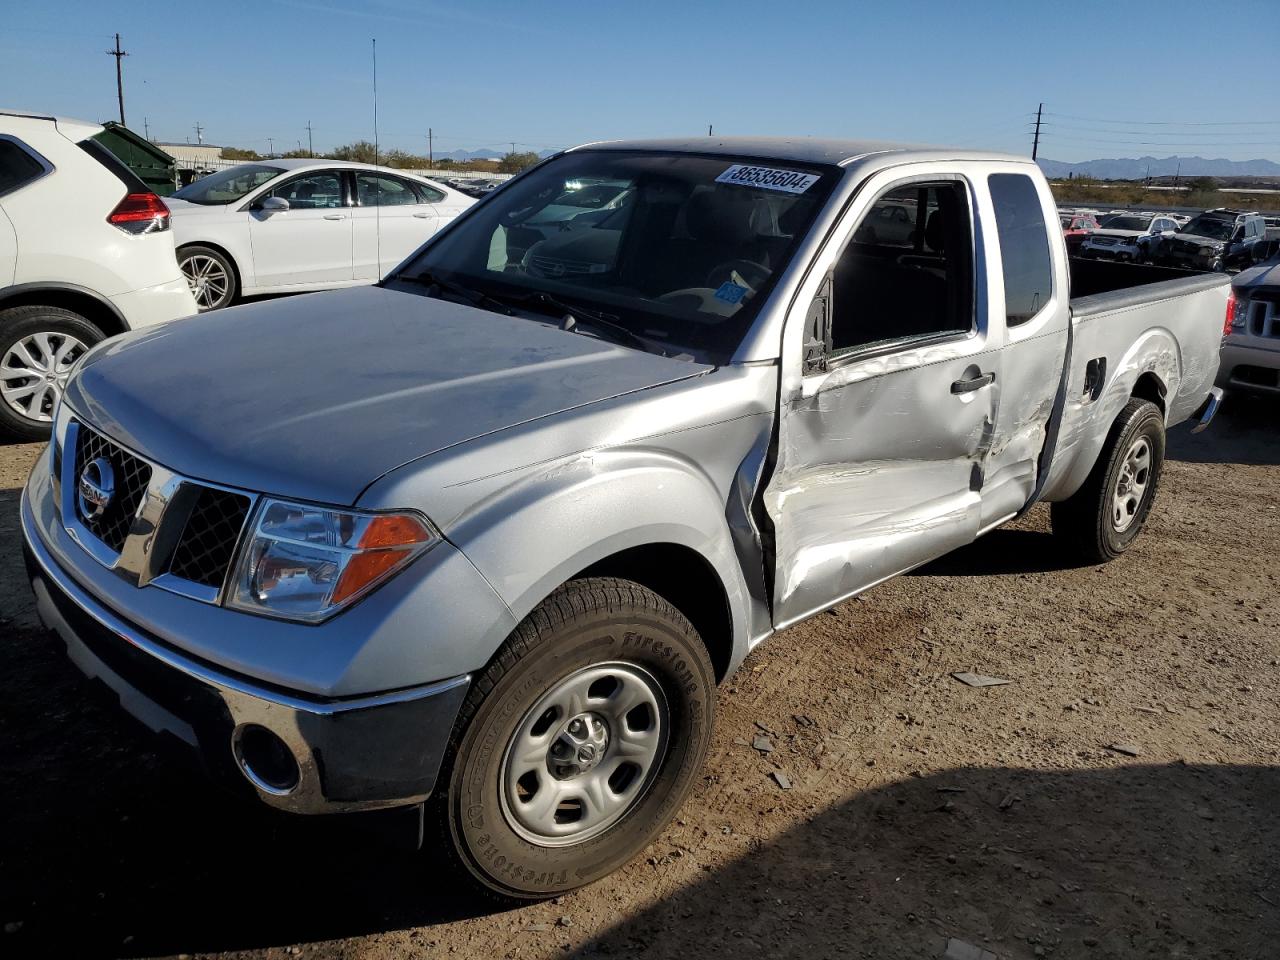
{"x":310,"y":147}
{"x":199,"y":132}
{"x":431,"y":149}
{"x":119,"y":54}
{"x":1035,"y":144}
{"x":375,"y":99}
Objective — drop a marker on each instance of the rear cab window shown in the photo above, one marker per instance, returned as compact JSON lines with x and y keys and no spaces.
{"x":1024,"y":246}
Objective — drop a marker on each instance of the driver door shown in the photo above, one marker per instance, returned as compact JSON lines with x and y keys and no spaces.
{"x":889,"y":397}
{"x":309,"y":243}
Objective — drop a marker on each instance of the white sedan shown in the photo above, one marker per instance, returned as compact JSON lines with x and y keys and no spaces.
{"x":284,"y":226}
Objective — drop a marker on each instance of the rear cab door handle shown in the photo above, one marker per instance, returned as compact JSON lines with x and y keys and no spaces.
{"x":335,"y":216}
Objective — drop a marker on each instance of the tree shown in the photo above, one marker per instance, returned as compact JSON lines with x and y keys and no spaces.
{"x":515,"y":162}
{"x":1202,"y":185}
{"x":362,"y":151}
{"x":238,"y":153}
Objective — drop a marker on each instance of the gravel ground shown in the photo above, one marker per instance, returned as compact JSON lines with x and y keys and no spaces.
{"x":920,"y":809}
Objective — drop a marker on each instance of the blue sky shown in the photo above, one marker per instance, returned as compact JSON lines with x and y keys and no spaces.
{"x":550,"y":74}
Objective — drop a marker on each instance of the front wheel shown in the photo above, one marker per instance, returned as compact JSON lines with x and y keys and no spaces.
{"x":210,"y":276}
{"x":1105,"y":516}
{"x":578,"y":743}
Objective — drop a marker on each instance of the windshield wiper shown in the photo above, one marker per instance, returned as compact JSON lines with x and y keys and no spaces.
{"x":580,"y":316}
{"x":476,"y":298}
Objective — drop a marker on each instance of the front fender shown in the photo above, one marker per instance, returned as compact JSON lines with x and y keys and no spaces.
{"x":577,"y":513}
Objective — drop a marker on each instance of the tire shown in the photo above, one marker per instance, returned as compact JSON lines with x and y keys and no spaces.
{"x":615,"y":642}
{"x":38,"y":347}
{"x":211,"y":276}
{"x":1103,"y":518}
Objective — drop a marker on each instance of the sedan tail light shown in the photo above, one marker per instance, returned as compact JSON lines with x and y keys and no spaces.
{"x":140,"y":213}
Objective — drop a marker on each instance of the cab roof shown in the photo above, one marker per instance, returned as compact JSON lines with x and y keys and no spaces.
{"x":803,"y":149}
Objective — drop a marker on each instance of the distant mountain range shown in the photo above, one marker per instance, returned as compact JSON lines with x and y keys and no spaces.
{"x":1137,"y":168}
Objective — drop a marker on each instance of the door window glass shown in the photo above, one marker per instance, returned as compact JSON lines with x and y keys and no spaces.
{"x":373,"y":190}
{"x":316,"y":191}
{"x":1024,"y":246}
{"x":429,"y":194}
{"x":907,"y":274}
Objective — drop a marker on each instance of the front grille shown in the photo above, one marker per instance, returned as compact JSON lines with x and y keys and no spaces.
{"x":208,"y":541}
{"x":131,"y":477}
{"x":1103,"y":241}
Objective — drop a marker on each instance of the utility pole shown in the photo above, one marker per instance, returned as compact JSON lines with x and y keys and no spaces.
{"x":119,"y":54}
{"x":146,"y":128}
{"x":271,"y":146}
{"x":310,"y":146}
{"x":1177,"y":176}
{"x":1035,"y":144}
{"x":708,"y":129}
{"x":513,"y":147}
{"x":199,"y":132}
{"x":431,"y":154}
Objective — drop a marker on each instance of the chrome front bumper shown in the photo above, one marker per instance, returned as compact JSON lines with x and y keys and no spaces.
{"x":346,"y":754}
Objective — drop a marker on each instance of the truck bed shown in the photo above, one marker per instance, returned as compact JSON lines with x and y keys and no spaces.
{"x":1173,"y":319}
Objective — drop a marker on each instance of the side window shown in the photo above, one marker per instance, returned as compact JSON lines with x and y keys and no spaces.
{"x":373,"y":190}
{"x":1024,"y":246}
{"x":907,"y":274}
{"x":17,"y":167}
{"x":428,"y":194}
{"x":315,"y":191}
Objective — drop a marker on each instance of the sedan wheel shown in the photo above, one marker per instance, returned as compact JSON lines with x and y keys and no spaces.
{"x":210,"y":277}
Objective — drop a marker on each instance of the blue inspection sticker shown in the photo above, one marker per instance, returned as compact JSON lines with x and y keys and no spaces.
{"x":730,"y":292}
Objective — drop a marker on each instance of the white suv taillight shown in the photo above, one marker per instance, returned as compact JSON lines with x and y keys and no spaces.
{"x":140,"y":213}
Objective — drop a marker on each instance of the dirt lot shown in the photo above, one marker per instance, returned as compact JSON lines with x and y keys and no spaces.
{"x":920,"y":809}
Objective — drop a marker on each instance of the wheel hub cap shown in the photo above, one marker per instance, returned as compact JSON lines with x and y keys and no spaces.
{"x":1131,"y":485}
{"x":34,"y":372}
{"x":584,"y":754}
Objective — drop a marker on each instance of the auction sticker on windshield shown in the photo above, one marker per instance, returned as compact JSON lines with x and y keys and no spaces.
{"x":769,"y":178}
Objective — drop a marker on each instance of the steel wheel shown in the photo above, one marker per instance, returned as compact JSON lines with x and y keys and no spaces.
{"x":208,"y":278}
{"x":34,"y":371}
{"x":1131,"y":484}
{"x":584,"y":754}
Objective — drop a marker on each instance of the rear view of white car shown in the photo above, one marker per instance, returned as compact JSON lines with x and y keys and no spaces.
{"x":285,"y":226}
{"x":85,"y":253}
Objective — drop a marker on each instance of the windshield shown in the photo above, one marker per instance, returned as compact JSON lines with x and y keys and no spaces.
{"x":1126,"y":223}
{"x":228,"y":186}
{"x":1210,"y":227}
{"x":680,"y":249}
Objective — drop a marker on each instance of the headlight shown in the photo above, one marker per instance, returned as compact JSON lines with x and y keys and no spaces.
{"x":304,"y":562}
{"x":1208,"y":251}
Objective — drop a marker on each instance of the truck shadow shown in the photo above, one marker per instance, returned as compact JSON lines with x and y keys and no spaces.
{"x":1245,"y":431}
{"x":1002,"y":552}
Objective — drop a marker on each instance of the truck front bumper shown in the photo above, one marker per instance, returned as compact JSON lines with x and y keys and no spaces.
{"x":297,"y":753}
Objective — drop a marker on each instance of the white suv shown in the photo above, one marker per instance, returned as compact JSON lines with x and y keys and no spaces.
{"x":85,"y":253}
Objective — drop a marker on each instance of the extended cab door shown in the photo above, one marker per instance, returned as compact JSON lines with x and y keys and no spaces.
{"x":888,"y":399}
{"x":1029,"y":283}
{"x":310,"y":242}
{"x":392,"y":219}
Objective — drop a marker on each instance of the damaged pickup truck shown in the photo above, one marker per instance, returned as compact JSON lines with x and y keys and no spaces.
{"x":485,"y":537}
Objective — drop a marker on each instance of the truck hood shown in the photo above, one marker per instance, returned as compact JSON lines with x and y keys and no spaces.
{"x":316,"y":396}
{"x":1263,"y":275}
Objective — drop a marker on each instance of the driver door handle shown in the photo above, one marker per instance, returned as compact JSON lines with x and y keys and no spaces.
{"x":422,"y":214}
{"x":977,"y":383}
{"x":335,"y":216}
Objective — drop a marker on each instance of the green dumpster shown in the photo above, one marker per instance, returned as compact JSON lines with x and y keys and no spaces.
{"x":153,"y":166}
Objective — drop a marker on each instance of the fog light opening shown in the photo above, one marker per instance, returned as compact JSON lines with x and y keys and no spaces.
{"x":266,"y":760}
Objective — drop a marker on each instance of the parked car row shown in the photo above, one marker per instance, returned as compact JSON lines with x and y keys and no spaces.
{"x":1215,"y":240}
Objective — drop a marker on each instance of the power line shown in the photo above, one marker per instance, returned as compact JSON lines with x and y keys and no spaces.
{"x":1169,"y":123}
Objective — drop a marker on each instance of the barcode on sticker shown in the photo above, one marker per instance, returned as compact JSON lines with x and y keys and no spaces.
{"x":770,"y":178}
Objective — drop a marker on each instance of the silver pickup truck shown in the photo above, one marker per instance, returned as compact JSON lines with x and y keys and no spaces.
{"x":484,"y":538}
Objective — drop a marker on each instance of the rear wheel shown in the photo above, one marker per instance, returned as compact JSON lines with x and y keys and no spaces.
{"x":1105,"y":516}
{"x":579,"y":741}
{"x":38,"y":347}
{"x":210,"y":276}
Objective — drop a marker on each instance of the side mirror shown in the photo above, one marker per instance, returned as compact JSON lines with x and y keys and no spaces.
{"x":273,"y":205}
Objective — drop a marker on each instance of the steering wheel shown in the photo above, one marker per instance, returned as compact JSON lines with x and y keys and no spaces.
{"x":755,"y":274}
